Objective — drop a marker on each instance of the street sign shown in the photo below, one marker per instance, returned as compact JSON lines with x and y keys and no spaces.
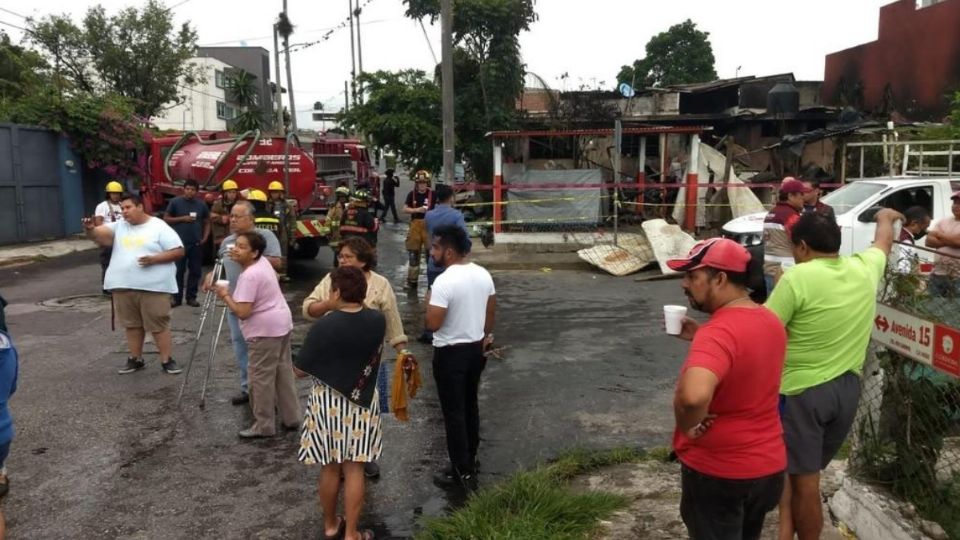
{"x":921,"y":340}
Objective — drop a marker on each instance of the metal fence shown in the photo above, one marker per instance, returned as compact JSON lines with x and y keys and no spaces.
{"x":907,"y":434}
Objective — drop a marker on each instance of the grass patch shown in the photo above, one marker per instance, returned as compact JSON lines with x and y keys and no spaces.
{"x":537,"y":504}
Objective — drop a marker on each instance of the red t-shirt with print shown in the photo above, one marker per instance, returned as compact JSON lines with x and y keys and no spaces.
{"x":744,"y":347}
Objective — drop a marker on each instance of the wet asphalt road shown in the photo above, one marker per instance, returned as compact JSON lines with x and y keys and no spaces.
{"x":99,"y":455}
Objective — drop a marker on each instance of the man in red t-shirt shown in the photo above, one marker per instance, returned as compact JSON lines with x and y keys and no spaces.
{"x":728,"y":435}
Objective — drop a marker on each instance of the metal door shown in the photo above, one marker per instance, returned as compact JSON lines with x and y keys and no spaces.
{"x":30,"y":185}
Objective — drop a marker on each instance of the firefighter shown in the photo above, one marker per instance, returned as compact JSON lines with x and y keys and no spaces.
{"x":357,"y":219}
{"x":334,"y":216}
{"x":418,"y":202}
{"x":262,"y":217}
{"x":220,"y":212}
{"x":108,"y":211}
{"x":284,"y":212}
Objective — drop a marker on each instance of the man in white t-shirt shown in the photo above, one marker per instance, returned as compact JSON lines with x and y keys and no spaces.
{"x":108,"y":211}
{"x":460,"y":314}
{"x":141,"y":278}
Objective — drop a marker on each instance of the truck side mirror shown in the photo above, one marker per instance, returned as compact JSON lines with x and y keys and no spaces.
{"x":869,"y":215}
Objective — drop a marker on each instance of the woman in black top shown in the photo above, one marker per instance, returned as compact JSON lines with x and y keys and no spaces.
{"x":341,"y":430}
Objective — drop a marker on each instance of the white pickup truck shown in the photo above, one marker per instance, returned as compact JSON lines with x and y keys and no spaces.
{"x":855,"y":205}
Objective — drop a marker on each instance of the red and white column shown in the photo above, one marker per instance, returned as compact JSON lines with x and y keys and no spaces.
{"x":690,"y":204}
{"x":497,"y":186}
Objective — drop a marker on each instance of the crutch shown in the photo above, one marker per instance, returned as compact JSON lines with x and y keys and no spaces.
{"x":214,"y":341}
{"x":209,"y":304}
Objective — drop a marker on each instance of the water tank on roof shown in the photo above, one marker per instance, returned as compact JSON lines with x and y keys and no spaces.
{"x":783,"y":98}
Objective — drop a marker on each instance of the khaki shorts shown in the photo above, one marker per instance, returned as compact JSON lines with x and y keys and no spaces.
{"x":142,"y":309}
{"x":417,"y":236}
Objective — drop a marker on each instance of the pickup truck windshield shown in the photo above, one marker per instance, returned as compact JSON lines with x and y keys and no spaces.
{"x":851,"y":195}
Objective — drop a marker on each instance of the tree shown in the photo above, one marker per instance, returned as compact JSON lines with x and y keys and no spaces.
{"x":135,"y":54}
{"x":19,"y":69}
{"x":488,"y":69}
{"x":401,"y":113}
{"x":680,"y":55}
{"x":242,"y":90}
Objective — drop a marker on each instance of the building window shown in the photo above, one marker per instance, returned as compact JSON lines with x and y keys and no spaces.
{"x":222,"y":110}
{"x":219,"y":79}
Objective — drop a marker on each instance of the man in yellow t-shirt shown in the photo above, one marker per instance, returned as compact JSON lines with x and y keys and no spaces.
{"x":827,"y":304}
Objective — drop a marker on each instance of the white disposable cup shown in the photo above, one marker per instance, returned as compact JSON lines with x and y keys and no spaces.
{"x":223,"y":283}
{"x":673,"y":318}
{"x":193,"y":214}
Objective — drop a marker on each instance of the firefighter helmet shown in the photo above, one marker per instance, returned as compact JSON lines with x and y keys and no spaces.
{"x":360,"y":195}
{"x":114,"y":187}
{"x":275,"y":186}
{"x":421,"y":176}
{"x":228,"y":185}
{"x":343,"y":190}
{"x":257,"y":195}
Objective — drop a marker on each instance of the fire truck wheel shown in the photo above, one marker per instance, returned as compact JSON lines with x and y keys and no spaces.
{"x":304,"y":249}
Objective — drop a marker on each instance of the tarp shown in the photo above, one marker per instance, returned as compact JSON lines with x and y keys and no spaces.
{"x":556,"y":204}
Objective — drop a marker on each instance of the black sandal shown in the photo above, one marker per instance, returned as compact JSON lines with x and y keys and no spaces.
{"x":341,"y":530}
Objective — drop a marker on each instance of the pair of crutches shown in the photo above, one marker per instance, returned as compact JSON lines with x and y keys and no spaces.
{"x":209,"y":306}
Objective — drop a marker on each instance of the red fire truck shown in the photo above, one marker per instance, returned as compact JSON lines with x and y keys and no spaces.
{"x":345,"y":162}
{"x":252,"y":160}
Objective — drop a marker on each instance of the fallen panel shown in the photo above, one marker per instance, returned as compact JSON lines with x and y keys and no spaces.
{"x":668,"y":242}
{"x":633,"y":254}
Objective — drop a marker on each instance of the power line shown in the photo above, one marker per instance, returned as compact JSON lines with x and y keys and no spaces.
{"x":329,"y":32}
{"x":12,"y":13}
{"x":14,"y":26}
{"x":175,"y":6}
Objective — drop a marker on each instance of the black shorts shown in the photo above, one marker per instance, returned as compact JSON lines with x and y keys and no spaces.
{"x":817,"y":421}
{"x":722,"y":509}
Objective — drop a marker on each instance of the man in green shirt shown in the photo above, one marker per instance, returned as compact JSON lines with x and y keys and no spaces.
{"x":827,"y":304}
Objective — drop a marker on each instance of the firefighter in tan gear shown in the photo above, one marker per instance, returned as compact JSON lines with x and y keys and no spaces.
{"x":418,"y":202}
{"x":334,"y":217}
{"x":280,"y":207}
{"x":220,"y":212}
{"x":108,"y":211}
{"x":357,"y":219}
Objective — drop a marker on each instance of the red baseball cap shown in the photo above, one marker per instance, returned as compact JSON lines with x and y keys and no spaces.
{"x":955,"y":196}
{"x":792,"y":185}
{"x":719,"y":253}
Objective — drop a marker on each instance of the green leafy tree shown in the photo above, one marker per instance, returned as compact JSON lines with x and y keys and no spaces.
{"x":137,"y":54}
{"x":401,"y":113}
{"x":680,"y":55}
{"x":19,"y":69}
{"x":242,"y":90}
{"x":488,"y":69}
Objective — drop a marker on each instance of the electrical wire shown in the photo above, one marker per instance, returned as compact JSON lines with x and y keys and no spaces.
{"x":13,"y":13}
{"x":14,"y":26}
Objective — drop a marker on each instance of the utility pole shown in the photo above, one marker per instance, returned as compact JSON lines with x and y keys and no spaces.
{"x":359,"y":52}
{"x":286,"y":49}
{"x":277,"y":83}
{"x":353,"y":59}
{"x":346,"y":97}
{"x":446,"y":71}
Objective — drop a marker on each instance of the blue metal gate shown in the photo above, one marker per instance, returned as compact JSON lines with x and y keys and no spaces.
{"x":31,"y":205}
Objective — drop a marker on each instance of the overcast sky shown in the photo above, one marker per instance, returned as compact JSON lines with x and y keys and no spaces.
{"x":588,"y":40}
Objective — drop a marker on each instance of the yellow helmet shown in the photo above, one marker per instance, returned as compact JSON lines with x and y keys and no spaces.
{"x":114,"y":187}
{"x":421,"y":176}
{"x":275,"y":186}
{"x":257,"y":195}
{"x":228,"y":185}
{"x":343,"y":190}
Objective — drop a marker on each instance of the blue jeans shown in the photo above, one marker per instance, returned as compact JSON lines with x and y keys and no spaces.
{"x":189,"y":264}
{"x":239,"y":349}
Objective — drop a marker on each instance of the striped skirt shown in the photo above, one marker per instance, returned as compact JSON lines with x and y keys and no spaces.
{"x":336,"y":429}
